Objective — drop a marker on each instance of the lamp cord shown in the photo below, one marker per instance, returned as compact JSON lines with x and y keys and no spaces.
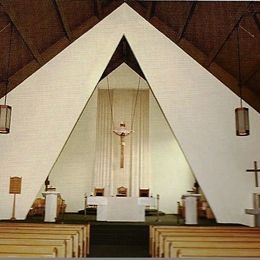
{"x":135,"y":103}
{"x":239,"y":64}
{"x":8,"y":63}
{"x":136,"y":96}
{"x":110,"y":103}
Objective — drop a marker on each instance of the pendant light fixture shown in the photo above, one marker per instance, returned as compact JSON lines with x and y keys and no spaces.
{"x":242,"y":114}
{"x":5,"y":110}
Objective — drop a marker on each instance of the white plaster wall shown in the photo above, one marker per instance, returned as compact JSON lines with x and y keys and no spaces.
{"x":72,"y":174}
{"x":45,"y":108}
{"x":198,"y":107}
{"x":171,"y":175}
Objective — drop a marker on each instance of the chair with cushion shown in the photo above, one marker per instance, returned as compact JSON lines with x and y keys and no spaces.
{"x":99,"y":192}
{"x":121,"y":191}
{"x":143,"y":192}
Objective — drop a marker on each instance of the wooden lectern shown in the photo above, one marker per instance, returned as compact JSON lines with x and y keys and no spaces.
{"x":15,"y":188}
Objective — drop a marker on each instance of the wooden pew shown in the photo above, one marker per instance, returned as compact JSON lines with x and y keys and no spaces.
{"x":214,"y":252}
{"x":73,"y":234}
{"x":156,"y":232}
{"x":160,"y":243}
{"x":51,"y":237}
{"x":82,"y":229}
{"x":36,"y":242}
{"x":43,"y":251}
{"x":30,"y":230}
{"x":165,"y":248}
{"x":176,"y":245}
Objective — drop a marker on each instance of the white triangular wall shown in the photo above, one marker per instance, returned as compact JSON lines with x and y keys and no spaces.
{"x":198,"y":107}
{"x":73,"y":172}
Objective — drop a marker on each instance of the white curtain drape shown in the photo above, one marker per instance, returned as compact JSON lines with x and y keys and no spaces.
{"x":133,"y":112}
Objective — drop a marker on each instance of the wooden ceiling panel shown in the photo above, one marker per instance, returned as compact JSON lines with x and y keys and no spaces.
{"x":205,"y":30}
{"x":4,"y":20}
{"x":4,"y":43}
{"x":173,"y":14}
{"x":254,"y":82}
{"x":47,"y":27}
{"x":249,"y":46}
{"x":228,"y":58}
{"x":77,"y":11}
{"x":210,"y":22}
{"x":20,"y":55}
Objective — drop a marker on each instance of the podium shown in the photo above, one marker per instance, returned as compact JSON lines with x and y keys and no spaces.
{"x":256,"y":210}
{"x":191,"y":213}
{"x":51,"y":199}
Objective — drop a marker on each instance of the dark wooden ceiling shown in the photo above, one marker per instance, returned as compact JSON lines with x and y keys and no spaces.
{"x":207,"y":31}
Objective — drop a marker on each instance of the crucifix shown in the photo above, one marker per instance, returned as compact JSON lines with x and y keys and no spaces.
{"x":122,"y":132}
{"x":255,"y":170}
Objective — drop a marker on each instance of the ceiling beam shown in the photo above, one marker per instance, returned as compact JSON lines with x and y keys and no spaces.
{"x":251,"y":75}
{"x":257,"y":21}
{"x":22,"y":31}
{"x":164,"y":28}
{"x":98,"y":9}
{"x":63,"y":18}
{"x":225,"y":37}
{"x":150,"y":10}
{"x":183,"y":28}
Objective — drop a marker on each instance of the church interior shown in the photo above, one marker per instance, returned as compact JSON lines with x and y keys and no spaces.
{"x":131,"y":129}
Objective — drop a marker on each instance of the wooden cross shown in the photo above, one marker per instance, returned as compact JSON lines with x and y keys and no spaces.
{"x":122,"y":132}
{"x":255,"y":170}
{"x":122,"y":151}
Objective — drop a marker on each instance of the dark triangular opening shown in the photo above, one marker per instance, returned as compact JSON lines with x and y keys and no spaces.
{"x":123,"y":54}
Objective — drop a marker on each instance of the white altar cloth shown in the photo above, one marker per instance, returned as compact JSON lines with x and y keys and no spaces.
{"x":126,"y":209}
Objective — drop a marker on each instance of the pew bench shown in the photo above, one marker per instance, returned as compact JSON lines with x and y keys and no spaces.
{"x":214,"y":252}
{"x":165,"y":248}
{"x":42,"y":251}
{"x":36,"y":242}
{"x":211,"y":244}
{"x":73,"y":234}
{"x":84,"y":231}
{"x":158,"y":234}
{"x":68,"y":239}
{"x":171,"y":235}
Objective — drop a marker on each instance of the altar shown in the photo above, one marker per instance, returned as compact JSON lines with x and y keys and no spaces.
{"x":125,"y":209}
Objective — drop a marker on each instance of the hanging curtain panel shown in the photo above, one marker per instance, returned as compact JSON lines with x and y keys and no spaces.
{"x":135,"y":173}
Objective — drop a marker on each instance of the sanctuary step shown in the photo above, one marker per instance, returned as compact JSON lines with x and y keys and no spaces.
{"x":93,"y":211}
{"x":119,"y":240}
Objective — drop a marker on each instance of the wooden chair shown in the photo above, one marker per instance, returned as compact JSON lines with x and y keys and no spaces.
{"x":143,"y":192}
{"x":99,"y":192}
{"x":121,"y":191}
{"x":38,"y":207}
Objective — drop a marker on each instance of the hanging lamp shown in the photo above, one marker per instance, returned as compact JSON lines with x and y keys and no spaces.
{"x":241,"y":113}
{"x":5,"y":110}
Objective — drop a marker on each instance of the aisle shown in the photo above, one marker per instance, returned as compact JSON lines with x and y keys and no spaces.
{"x":119,"y":240}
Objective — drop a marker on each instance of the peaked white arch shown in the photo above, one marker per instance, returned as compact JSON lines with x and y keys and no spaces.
{"x":198,"y":107}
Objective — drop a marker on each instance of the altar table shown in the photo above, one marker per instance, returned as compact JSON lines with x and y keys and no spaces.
{"x":125,"y":209}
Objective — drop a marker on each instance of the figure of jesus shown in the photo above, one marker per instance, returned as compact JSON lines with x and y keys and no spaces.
{"x":122,"y":132}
